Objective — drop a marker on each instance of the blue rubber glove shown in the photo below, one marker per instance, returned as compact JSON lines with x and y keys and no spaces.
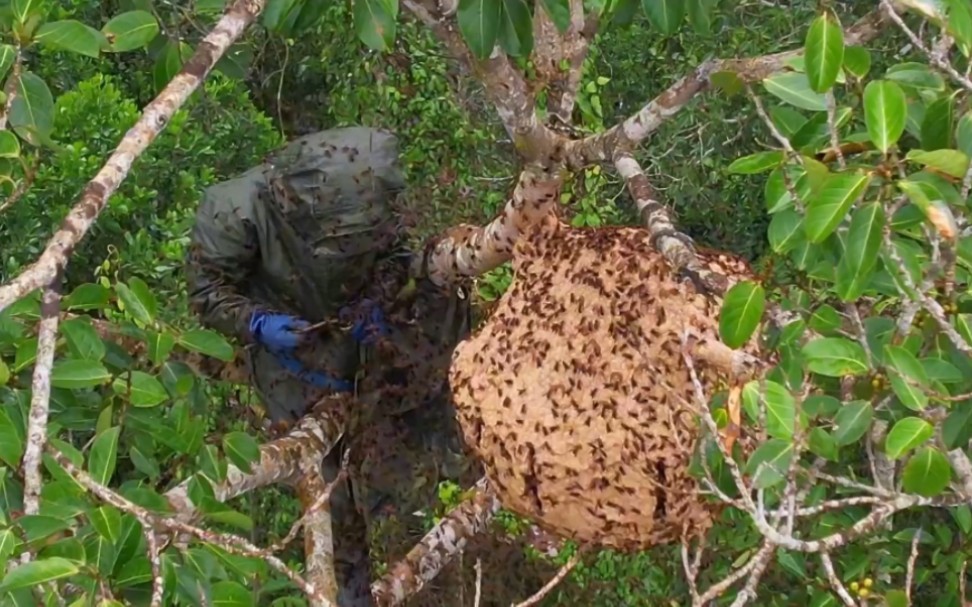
{"x":315,"y":378}
{"x":369,"y":323}
{"x":276,"y":331}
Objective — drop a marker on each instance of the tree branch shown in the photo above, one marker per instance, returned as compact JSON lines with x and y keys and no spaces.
{"x":314,"y":494}
{"x":436,"y":549}
{"x":628,"y":134}
{"x":40,"y":398}
{"x":564,"y":571}
{"x":156,"y":115}
{"x":281,"y":461}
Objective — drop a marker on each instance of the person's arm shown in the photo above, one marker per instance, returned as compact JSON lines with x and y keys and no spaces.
{"x":222,"y":254}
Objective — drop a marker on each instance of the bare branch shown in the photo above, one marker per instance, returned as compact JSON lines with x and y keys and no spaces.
{"x":436,"y":549}
{"x":158,"y":582}
{"x":466,"y":250}
{"x":281,"y":460}
{"x":719,"y":588}
{"x":835,"y":582}
{"x":634,"y":130}
{"x":912,"y":561}
{"x":318,"y":533}
{"x":936,"y":59}
{"x":156,"y":115}
{"x":231,"y":543}
{"x":554,"y":581}
{"x":40,"y":398}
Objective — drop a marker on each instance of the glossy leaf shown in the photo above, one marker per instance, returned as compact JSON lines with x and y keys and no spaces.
{"x":907,"y":434}
{"x":769,"y":463}
{"x":666,"y":15}
{"x":231,"y":594}
{"x":828,"y":207}
{"x":82,"y":339}
{"x":927,"y":473}
{"x":700,"y":13}
{"x":516,"y":28}
{"x":756,"y":163}
{"x":963,"y":134}
{"x":950,"y":162}
{"x":107,"y":521}
{"x":794,"y":88}
{"x":207,"y":342}
{"x":864,"y":238}
{"x":104,"y":455}
{"x":824,"y":52}
{"x":71,"y":35}
{"x":24,"y":9}
{"x":957,"y":429}
{"x":938,"y":124}
{"x":959,"y":23}
{"x":130,"y":30}
{"x":142,"y":389}
{"x":241,"y":449}
{"x":479,"y":22}
{"x":852,"y":421}
{"x":857,"y":60}
{"x":822,"y":443}
{"x":88,"y":296}
{"x":132,"y":303}
{"x":37,"y":572}
{"x":375,"y":22}
{"x":885,"y":113}
{"x":742,"y":310}
{"x":32,"y":109}
{"x":780,"y":411}
{"x":786,"y":231}
{"x":9,"y":145}
{"x":74,"y":374}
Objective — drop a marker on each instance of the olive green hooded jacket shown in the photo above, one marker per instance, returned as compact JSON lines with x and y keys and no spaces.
{"x":299,"y":234}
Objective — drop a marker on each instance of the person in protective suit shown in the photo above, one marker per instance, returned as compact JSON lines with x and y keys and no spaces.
{"x":303,"y":260}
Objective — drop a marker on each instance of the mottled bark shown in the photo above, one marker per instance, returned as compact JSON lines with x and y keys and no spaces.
{"x":437,"y":548}
{"x":313,"y":494}
{"x":154,"y":117}
{"x":281,"y":461}
{"x":471,"y":251}
{"x":40,"y":400}
{"x":551,"y":49}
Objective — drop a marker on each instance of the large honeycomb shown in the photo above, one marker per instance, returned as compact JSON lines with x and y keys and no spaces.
{"x":575,"y":394}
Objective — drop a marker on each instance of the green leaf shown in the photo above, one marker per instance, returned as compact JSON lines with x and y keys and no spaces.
{"x":73,"y":374}
{"x":24,"y":9}
{"x":896,"y":598}
{"x":885,"y":113}
{"x":7,"y":56}
{"x":828,"y":207}
{"x":951,"y":162}
{"x":88,"y":296}
{"x":231,"y":594}
{"x":4,"y":373}
{"x":927,"y":473}
{"x":11,"y":438}
{"x":167,"y":64}
{"x":756,"y":163}
{"x":133,"y":304}
{"x":904,"y":362}
{"x":700,"y":15}
{"x":916,"y":75}
{"x":938,"y":124}
{"x":824,"y":52}
{"x":963,"y":134}
{"x":73,"y":36}
{"x":559,"y":13}
{"x":823,"y":444}
{"x":742,"y":310}
{"x":375,"y":22}
{"x":864,"y":238}
{"x":957,"y":429}
{"x":835,"y":357}
{"x":107,"y":521}
{"x":516,"y":28}
{"x":780,"y":411}
{"x":207,"y":342}
{"x":130,"y":30}
{"x":241,"y":449}
{"x":666,"y":15}
{"x":160,"y":346}
{"x":852,"y":421}
{"x":32,"y":109}
{"x":104,"y":454}
{"x":857,"y":61}
{"x":786,"y":231}
{"x":907,"y":434}
{"x":479,"y":22}
{"x":959,"y":23}
{"x":142,"y":389}
{"x":82,"y":339}
{"x":769,"y":463}
{"x":794,"y":88}
{"x":37,"y":572}
{"x":9,"y":145}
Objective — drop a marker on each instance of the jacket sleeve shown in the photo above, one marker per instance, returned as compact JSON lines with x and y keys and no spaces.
{"x":222,"y":254}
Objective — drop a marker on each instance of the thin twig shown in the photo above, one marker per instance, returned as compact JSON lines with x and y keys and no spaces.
{"x":835,"y":582}
{"x":912,"y":561}
{"x":479,"y":583}
{"x":563,"y":573}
